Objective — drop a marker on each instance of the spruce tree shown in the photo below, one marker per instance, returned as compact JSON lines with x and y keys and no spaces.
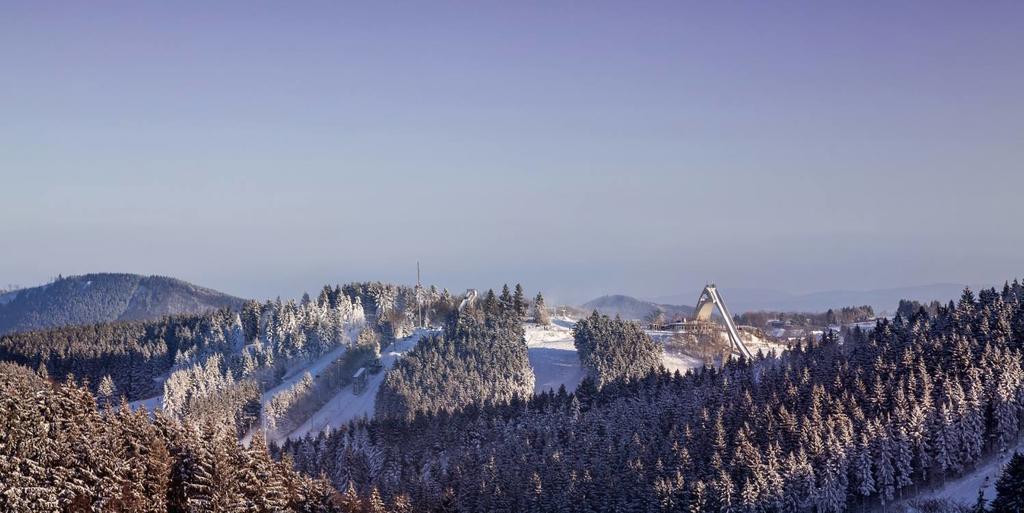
{"x":1010,"y":487}
{"x":540,"y":311}
{"x":106,"y":389}
{"x":519,"y":301}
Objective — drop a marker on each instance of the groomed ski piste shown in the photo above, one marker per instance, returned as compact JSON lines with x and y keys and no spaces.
{"x":295,"y":374}
{"x":292,"y":376}
{"x":346,"y":405}
{"x":343,"y":407}
{"x":553,"y":356}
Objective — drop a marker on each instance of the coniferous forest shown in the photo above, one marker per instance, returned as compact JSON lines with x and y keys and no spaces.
{"x":835,"y":424}
{"x":613,"y":349}
{"x":220,"y":222}
{"x":480,"y":358}
{"x":59,"y":452}
{"x":825,"y":427}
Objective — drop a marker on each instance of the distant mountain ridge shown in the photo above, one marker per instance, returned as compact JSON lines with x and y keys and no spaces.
{"x":629,"y":307}
{"x":103,"y":297}
{"x":742,"y":300}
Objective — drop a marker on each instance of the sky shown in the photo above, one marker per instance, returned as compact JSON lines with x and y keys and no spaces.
{"x":580,"y":148}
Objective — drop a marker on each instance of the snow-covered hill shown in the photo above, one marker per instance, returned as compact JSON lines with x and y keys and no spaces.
{"x":105,"y":297}
{"x":632,"y":308}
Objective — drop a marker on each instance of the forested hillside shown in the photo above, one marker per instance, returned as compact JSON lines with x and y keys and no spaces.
{"x":58,"y":452}
{"x":480,"y":357}
{"x":132,"y":354}
{"x":825,"y":428}
{"x":636,"y":309}
{"x":94,"y":298}
{"x":831,"y":317}
{"x":218,"y":365}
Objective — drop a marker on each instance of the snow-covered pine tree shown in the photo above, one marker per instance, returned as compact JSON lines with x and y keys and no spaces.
{"x":862,"y":462}
{"x":106,"y":390}
{"x":540,"y":311}
{"x":1010,"y":487}
{"x":519,"y":301}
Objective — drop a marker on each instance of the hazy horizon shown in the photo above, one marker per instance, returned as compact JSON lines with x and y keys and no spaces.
{"x":578,"y":149}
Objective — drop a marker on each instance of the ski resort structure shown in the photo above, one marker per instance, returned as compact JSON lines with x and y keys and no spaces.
{"x":710,"y":299}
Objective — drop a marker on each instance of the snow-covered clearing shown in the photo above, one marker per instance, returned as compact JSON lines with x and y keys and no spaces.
{"x":346,"y":405}
{"x":674,"y":360}
{"x":150,"y":404}
{"x":553,"y":356}
{"x":680,"y":362}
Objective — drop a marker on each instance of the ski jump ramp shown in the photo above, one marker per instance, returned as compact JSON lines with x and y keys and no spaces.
{"x":709,"y":300}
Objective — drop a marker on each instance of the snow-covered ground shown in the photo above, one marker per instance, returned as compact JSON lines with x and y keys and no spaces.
{"x":150,"y":404}
{"x":680,"y":362}
{"x":346,"y":405}
{"x":753,"y":343}
{"x":296,"y":372}
{"x":965,"y":489}
{"x":555,"y":362}
{"x":553,"y":356}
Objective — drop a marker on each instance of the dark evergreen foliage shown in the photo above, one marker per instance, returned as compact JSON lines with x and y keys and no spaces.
{"x":826,"y":426}
{"x":480,"y":357}
{"x":132,"y":353}
{"x":845,"y":315}
{"x":1010,"y":487}
{"x":92,"y":298}
{"x":612,"y":349}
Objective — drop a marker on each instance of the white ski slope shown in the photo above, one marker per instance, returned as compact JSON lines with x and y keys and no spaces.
{"x":345,"y":405}
{"x":553,"y":356}
{"x":296,"y":372}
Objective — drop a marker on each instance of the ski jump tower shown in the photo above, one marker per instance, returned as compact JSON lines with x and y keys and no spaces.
{"x":470,"y":297}
{"x":710,"y":299}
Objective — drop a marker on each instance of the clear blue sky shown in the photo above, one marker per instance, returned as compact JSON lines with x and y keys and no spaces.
{"x":581,"y":148}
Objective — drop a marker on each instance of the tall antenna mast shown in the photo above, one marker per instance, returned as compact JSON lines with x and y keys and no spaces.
{"x":419,"y":291}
